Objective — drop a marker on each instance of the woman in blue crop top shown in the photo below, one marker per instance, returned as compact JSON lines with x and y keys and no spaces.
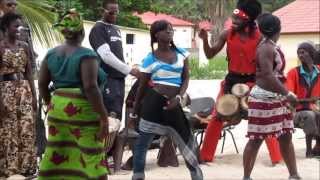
{"x":159,"y":107}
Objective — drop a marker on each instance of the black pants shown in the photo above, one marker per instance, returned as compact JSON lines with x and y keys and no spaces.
{"x":113,"y":96}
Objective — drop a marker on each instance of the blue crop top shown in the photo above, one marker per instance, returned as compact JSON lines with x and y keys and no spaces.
{"x":164,"y":73}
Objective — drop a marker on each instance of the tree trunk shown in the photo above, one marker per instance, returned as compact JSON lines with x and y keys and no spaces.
{"x":219,"y":13}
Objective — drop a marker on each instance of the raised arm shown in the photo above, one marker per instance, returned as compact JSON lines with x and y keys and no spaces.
{"x":210,"y":52}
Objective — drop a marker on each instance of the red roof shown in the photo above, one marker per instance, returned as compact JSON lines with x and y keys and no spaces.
{"x":300,"y":16}
{"x":150,"y":17}
{"x":206,"y":25}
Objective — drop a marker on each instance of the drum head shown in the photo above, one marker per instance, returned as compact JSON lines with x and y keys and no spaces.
{"x":114,"y":124}
{"x":240,"y":89}
{"x":227,"y":105}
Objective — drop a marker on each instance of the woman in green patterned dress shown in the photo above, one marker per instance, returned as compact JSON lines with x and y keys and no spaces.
{"x":77,"y":118}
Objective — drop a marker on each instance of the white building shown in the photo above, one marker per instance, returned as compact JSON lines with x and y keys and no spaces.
{"x":136,"y":43}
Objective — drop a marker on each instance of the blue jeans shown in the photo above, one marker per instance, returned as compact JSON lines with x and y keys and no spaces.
{"x":140,"y":153}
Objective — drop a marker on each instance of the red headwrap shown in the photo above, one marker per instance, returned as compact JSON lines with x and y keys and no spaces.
{"x":241,"y":14}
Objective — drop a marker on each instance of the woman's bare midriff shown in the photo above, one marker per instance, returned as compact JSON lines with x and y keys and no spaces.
{"x":166,"y":90}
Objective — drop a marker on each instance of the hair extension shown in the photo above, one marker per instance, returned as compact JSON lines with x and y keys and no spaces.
{"x":253,"y":9}
{"x":269,"y":25}
{"x":7,"y":19}
{"x":309,"y":47}
{"x":157,"y":26}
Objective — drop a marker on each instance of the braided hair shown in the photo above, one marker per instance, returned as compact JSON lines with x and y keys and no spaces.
{"x":7,"y":19}
{"x":253,"y":9}
{"x":157,"y":26}
{"x":309,"y":47}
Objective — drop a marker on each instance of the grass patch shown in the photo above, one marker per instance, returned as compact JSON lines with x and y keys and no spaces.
{"x":215,"y":69}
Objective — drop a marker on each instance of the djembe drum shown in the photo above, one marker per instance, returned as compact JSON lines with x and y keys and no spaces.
{"x":228,"y":107}
{"x":233,"y":107}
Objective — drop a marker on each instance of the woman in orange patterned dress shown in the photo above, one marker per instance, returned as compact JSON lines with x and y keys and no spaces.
{"x":17,"y":102}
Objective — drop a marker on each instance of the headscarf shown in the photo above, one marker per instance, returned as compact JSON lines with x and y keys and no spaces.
{"x":69,"y":23}
{"x":309,"y":47}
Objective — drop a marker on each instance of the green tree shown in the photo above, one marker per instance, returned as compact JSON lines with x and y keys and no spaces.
{"x":219,"y":11}
{"x":92,"y":10}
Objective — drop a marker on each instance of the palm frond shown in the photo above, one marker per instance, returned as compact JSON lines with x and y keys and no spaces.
{"x":40,"y":19}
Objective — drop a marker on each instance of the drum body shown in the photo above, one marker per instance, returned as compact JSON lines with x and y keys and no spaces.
{"x":244,"y":107}
{"x":228,"y":107}
{"x":114,"y":126}
{"x":232,"y":108}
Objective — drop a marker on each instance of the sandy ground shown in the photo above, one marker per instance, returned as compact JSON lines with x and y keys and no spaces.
{"x":228,"y":166}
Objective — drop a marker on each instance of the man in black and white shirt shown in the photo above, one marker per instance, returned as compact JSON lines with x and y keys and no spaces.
{"x":105,"y":39}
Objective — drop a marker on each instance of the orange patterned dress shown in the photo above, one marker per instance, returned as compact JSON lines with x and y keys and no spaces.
{"x":17,"y":125}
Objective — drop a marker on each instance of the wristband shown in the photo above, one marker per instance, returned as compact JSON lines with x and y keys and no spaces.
{"x":290,"y":94}
{"x":133,"y":115}
{"x":179,"y":98}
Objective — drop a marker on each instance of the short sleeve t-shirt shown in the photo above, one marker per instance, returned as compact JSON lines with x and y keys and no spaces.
{"x":104,"y":33}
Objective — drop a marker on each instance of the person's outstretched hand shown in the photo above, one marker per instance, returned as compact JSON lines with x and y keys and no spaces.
{"x":135,"y":72}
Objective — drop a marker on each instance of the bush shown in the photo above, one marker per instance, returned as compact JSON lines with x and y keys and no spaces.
{"x":215,"y":69}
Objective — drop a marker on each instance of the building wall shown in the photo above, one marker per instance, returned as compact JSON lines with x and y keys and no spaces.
{"x":183,"y":36}
{"x":135,"y":48}
{"x":289,"y":44}
{"x":133,"y":52}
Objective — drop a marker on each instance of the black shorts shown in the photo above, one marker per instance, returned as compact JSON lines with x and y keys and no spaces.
{"x":232,"y":79}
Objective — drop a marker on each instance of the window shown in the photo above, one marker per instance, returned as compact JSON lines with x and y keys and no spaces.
{"x":129,"y":38}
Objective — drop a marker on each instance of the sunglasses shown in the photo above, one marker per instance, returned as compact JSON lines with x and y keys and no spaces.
{"x":111,"y":13}
{"x":11,"y":4}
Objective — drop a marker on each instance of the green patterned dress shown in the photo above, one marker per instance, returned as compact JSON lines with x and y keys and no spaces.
{"x":73,"y":151}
